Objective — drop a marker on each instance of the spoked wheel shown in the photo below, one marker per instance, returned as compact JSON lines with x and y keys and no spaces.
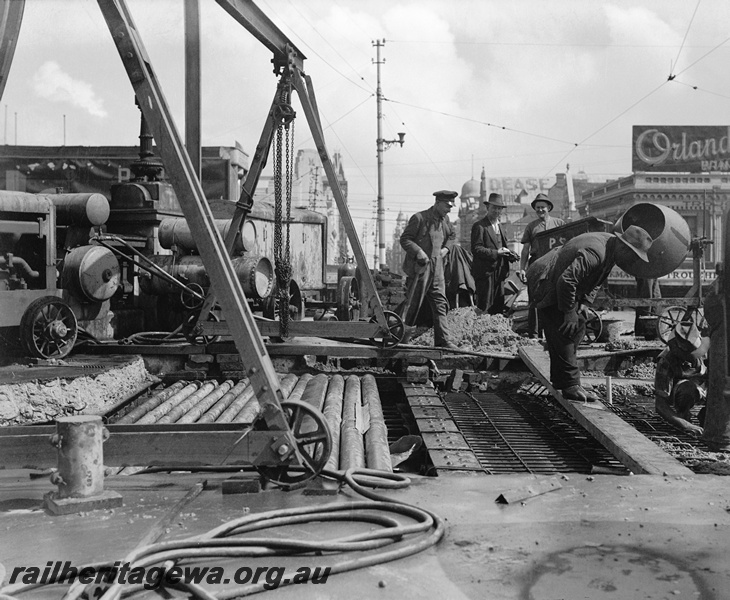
{"x":48,"y":328}
{"x":296,"y":303}
{"x":395,"y":332}
{"x":348,"y":299}
{"x":594,"y":326}
{"x":673,"y":315}
{"x":193,"y":330}
{"x":314,"y":443}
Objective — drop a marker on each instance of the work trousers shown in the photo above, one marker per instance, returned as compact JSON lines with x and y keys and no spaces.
{"x":430,"y":285}
{"x":563,"y":350}
{"x":490,"y":294}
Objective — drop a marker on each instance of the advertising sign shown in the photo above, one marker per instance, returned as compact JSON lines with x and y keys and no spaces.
{"x":690,"y":149}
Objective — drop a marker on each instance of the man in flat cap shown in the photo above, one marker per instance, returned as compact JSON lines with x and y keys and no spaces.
{"x":542,"y":207}
{"x":427,"y":239}
{"x":567,"y":277}
{"x":490,"y":266}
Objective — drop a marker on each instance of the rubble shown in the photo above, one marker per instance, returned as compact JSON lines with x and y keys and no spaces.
{"x":44,"y":399}
{"x":478,"y":333}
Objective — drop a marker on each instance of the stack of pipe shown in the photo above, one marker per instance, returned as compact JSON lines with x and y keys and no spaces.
{"x":351,"y":407}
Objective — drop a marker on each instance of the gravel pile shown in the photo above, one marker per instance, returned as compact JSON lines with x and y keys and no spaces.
{"x":45,"y":399}
{"x":479,"y":333}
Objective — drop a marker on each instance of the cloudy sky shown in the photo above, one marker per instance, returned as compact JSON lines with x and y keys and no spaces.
{"x":521,"y":88}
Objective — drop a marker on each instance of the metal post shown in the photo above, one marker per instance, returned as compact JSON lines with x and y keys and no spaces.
{"x":192,"y":84}
{"x":379,"y":236}
{"x":80,"y":475}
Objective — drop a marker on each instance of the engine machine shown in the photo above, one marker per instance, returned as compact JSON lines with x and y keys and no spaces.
{"x":52,"y":280}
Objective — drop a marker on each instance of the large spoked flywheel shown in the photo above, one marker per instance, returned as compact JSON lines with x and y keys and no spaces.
{"x":48,"y":328}
{"x":314,"y":443}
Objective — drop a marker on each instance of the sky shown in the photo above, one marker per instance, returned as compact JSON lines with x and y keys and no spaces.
{"x":523,"y":89}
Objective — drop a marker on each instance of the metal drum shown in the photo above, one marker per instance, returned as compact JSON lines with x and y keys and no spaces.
{"x":176,"y":232}
{"x":670,"y":233}
{"x":91,"y":273}
{"x":81,"y":209}
{"x":256,"y":274}
{"x":186,"y":269}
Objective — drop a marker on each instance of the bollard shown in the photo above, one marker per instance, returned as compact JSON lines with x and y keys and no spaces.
{"x":80,"y":474}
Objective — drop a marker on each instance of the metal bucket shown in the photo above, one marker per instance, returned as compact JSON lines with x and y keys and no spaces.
{"x":670,"y":233}
{"x":256,"y":274}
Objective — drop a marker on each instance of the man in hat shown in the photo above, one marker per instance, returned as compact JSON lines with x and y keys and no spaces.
{"x":567,"y":277}
{"x":427,"y":239}
{"x":491,"y":258}
{"x":680,"y":382}
{"x":542,"y":207}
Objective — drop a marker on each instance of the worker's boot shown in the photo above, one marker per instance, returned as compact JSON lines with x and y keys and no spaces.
{"x":576,"y":393}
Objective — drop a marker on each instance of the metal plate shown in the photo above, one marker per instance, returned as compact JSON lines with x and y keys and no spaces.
{"x":455,"y":459}
{"x":443,"y":440}
{"x":425,"y":425}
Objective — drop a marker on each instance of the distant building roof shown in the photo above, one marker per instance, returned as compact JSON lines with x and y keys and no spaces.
{"x":470,"y":189}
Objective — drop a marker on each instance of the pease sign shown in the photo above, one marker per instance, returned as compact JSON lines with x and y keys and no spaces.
{"x":690,"y":149}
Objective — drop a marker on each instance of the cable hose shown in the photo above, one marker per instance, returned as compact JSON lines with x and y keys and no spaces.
{"x":220,"y":542}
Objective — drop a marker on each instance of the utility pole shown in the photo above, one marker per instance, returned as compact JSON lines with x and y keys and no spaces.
{"x":382,"y":146}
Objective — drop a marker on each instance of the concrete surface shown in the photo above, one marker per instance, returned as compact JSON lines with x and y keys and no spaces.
{"x":594,"y":538}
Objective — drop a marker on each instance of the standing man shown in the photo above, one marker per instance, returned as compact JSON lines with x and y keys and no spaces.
{"x":569,"y":276}
{"x":490,"y":266}
{"x":427,"y":239}
{"x":542,"y":207}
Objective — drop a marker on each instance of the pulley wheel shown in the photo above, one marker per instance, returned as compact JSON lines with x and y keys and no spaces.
{"x":314,"y":443}
{"x":594,"y":326}
{"x":673,"y":315}
{"x":348,"y":299}
{"x":296,"y":303}
{"x":48,"y":328}
{"x":395,"y":330}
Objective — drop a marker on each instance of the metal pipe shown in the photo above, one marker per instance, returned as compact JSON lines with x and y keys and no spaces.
{"x":201,"y":407}
{"x":352,"y":451}
{"x":333,"y":415}
{"x":229,"y":415}
{"x":155,"y":414}
{"x":79,"y":441}
{"x":296,"y":393}
{"x":219,"y":407}
{"x":152,"y":402}
{"x":251,"y":409}
{"x":377,"y":452}
{"x":188,"y":403}
{"x":315,"y":391}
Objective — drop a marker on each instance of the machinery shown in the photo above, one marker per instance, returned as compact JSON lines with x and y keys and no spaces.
{"x":290,"y":442}
{"x":52,"y":281}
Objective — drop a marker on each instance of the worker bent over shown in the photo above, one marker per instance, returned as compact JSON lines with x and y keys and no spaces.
{"x":680,"y":382}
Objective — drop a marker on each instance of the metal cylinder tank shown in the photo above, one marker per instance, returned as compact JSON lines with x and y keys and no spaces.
{"x":90,"y":273}
{"x":175,"y":231}
{"x":670,"y":233}
{"x":256,"y":274}
{"x":80,"y":209}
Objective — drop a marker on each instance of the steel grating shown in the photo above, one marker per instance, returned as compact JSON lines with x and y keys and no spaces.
{"x":526,"y":433}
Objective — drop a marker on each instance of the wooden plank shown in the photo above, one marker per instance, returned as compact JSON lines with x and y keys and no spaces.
{"x":157,"y":446}
{"x":634,"y":450}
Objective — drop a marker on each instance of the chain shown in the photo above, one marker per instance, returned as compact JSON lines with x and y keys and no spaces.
{"x":282,"y":249}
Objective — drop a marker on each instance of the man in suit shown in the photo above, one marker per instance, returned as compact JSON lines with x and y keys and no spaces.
{"x":427,"y":239}
{"x":490,"y":266}
{"x":542,"y":207}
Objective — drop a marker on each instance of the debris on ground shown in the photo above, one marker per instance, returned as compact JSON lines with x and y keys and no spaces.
{"x":44,"y":399}
{"x":479,"y":333}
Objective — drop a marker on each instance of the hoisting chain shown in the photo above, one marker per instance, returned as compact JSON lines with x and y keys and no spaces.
{"x":284,"y":116}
